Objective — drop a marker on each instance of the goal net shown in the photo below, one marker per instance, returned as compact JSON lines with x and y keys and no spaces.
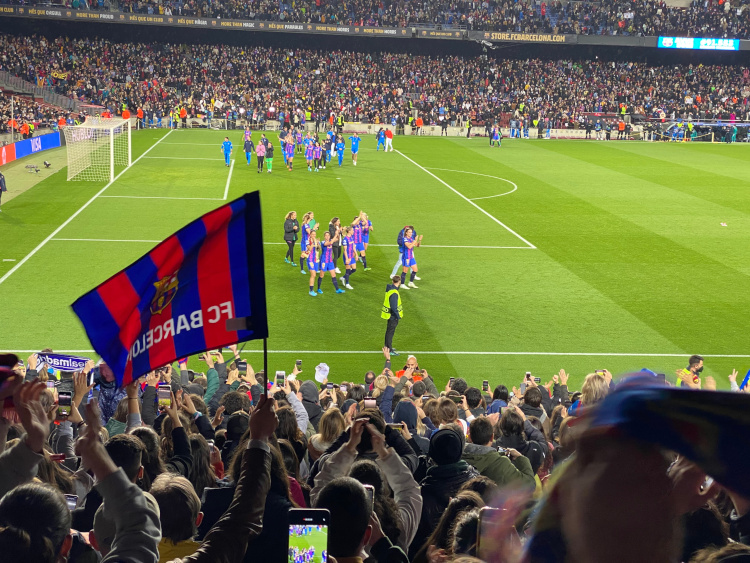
{"x":95,"y":148}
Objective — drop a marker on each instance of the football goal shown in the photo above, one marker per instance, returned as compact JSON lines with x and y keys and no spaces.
{"x":95,"y":148}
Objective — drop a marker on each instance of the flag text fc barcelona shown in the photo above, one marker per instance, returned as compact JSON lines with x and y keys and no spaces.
{"x":175,"y":300}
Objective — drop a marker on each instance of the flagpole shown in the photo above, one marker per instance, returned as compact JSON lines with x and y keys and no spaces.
{"x":265,"y":366}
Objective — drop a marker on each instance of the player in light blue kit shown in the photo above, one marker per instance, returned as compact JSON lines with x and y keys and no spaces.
{"x":355,"y":147}
{"x":381,"y":139}
{"x":226,"y":148}
{"x":340,"y":150}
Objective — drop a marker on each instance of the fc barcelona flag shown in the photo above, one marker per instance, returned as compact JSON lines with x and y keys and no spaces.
{"x":175,"y":300}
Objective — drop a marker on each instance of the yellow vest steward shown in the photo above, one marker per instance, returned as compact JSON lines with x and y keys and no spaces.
{"x":386,"y":312}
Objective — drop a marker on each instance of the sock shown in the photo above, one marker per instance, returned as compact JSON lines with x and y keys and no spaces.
{"x":364,"y":261}
{"x":413,"y":275}
{"x":403,"y":277}
{"x":351,"y":272}
{"x":319,"y":282}
{"x":302,"y":265}
{"x":346,"y":277}
{"x":335,"y":283}
{"x":291,"y":254}
{"x":311,"y":288}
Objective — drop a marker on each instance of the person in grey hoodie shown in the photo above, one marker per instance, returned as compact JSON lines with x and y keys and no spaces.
{"x":308,"y":394}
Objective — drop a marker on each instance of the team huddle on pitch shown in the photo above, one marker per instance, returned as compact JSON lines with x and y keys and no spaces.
{"x":321,"y":253}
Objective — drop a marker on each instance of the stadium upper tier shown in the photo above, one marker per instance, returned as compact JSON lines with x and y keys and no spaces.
{"x":703,"y":18}
{"x":161,"y":76}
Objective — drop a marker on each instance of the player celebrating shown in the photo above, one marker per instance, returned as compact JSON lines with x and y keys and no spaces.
{"x":366,"y":228}
{"x":355,"y":147}
{"x":309,"y":149}
{"x":350,"y":255}
{"x":339,"y":150}
{"x":308,"y":228}
{"x":326,"y":260}
{"x":226,"y":148}
{"x":409,"y":262}
{"x":359,"y":223}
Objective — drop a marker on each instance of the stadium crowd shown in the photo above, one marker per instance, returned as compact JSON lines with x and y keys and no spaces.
{"x":254,"y":84}
{"x":185,"y":466}
{"x":702,"y":18}
{"x":25,"y":112}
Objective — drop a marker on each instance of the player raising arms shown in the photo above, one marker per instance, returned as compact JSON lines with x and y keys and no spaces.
{"x":289,"y":149}
{"x":312,"y":256}
{"x":326,"y":260}
{"x":355,"y":147}
{"x":366,"y":228}
{"x":350,"y":255}
{"x":408,"y":260}
{"x":308,"y":228}
{"x":358,"y":224}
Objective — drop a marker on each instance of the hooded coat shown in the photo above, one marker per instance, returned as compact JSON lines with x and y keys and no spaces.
{"x":311,"y":402}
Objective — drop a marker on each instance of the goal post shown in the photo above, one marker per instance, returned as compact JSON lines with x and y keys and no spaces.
{"x":96,"y":148}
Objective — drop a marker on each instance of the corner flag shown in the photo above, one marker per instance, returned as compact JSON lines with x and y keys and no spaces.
{"x":175,"y":300}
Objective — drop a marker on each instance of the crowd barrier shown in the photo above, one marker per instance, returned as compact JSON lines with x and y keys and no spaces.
{"x":14,"y":151}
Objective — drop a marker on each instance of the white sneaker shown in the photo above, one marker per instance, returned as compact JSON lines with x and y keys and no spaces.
{"x":338,"y":271}
{"x":417,"y":278}
{"x":349,"y":286}
{"x":404,"y":286}
{"x":411,"y":285}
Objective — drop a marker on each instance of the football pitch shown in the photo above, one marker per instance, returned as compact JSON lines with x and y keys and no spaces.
{"x":315,"y":539}
{"x":539,"y":255}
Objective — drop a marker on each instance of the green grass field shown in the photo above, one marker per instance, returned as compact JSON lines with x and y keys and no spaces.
{"x":316,"y":539}
{"x":607,"y":255}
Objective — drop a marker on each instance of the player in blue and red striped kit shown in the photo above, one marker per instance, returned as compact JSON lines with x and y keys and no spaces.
{"x":309,"y":154}
{"x":359,"y":223}
{"x":408,"y":261}
{"x":289,"y":149}
{"x":311,"y":253}
{"x":350,"y":255}
{"x":326,"y":260}
{"x":317,"y":156}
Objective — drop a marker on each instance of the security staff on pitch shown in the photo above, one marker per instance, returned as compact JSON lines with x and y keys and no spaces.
{"x":392,"y":311}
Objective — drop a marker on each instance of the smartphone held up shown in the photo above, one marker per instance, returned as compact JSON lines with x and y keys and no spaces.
{"x":308,"y":535}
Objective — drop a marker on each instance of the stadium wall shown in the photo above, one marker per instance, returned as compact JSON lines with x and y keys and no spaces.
{"x":14,"y":151}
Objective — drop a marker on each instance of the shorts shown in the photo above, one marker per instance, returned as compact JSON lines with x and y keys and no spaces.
{"x":355,"y":152}
{"x":327,"y":267}
{"x":351,"y":261}
{"x":366,"y":239}
{"x":312,"y":266}
{"x":408,"y":263}
{"x":360,"y":246}
{"x":303,"y":245}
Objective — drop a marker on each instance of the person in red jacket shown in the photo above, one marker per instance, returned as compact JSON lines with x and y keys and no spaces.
{"x":388,"y":140}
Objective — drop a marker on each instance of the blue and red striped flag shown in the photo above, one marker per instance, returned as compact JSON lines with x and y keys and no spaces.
{"x":175,"y":300}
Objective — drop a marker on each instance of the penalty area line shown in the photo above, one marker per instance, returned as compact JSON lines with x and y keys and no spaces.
{"x":82,"y":208}
{"x":462,"y":196}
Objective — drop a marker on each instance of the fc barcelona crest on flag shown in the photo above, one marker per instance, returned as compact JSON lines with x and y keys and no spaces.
{"x":176,"y":300}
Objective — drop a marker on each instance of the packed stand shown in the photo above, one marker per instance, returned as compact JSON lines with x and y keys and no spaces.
{"x":183,"y":466}
{"x":26,"y":117}
{"x":703,"y":18}
{"x":252,"y":85}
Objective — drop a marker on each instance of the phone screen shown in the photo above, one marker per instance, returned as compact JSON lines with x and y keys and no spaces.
{"x":329,"y":387}
{"x":64,"y":401}
{"x":71,"y":501}
{"x":164,"y":394}
{"x":308,"y":536}
{"x":280,"y":375}
{"x":485,"y":385}
{"x":370,"y":490}
{"x":51,"y":385}
{"x":343,"y":389}
{"x":495,"y":533}
{"x":371,"y":404}
{"x":661,"y":377}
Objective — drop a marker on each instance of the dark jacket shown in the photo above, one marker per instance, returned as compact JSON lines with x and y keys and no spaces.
{"x":269,"y":151}
{"x":528,"y":410}
{"x":500,"y":468}
{"x":289,"y":232}
{"x":332,"y":232}
{"x":533,"y":446}
{"x":439,"y":485}
{"x":406,"y":412}
{"x":311,"y":402}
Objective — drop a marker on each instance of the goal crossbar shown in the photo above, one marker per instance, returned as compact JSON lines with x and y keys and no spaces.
{"x":95,"y":148}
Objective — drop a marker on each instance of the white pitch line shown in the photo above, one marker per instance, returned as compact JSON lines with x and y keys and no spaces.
{"x":83,"y":207}
{"x":217,"y":159}
{"x":436,"y":353}
{"x":229,"y":179}
{"x":162,"y":197}
{"x":454,"y":190}
{"x":9,"y":259}
{"x":283,"y":243}
{"x":104,"y":240}
{"x":515,"y":187}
